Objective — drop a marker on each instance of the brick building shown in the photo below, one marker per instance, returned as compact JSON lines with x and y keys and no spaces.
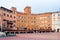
{"x":21,"y":21}
{"x":8,"y":18}
{"x":29,"y":21}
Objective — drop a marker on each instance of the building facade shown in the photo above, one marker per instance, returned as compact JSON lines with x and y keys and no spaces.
{"x":8,"y":19}
{"x":32,"y":22}
{"x":11,"y":19}
{"x":56,"y":20}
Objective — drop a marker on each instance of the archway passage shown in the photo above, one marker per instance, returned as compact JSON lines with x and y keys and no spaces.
{"x":57,"y":30}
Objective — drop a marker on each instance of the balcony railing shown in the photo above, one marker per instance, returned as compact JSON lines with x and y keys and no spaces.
{"x":9,"y":22}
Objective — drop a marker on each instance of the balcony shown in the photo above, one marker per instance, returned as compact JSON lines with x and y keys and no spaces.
{"x":9,"y":22}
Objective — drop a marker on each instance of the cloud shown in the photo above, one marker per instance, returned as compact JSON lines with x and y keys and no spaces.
{"x":38,"y":6}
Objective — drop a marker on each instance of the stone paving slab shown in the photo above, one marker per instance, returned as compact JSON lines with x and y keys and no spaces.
{"x":37,"y":36}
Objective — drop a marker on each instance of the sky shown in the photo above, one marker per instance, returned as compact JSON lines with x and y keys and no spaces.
{"x":38,"y":6}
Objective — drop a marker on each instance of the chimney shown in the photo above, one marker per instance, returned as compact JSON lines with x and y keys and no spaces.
{"x":27,"y":9}
{"x":13,"y":9}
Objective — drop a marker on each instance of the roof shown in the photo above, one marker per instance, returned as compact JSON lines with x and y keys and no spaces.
{"x":5,"y":9}
{"x":47,"y":13}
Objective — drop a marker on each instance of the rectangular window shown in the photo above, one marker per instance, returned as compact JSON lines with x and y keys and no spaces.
{"x":22,"y":17}
{"x":48,"y":20}
{"x":0,"y":14}
{"x":58,"y":14}
{"x":4,"y":14}
{"x":11,"y":16}
{"x":48,"y":24}
{"x":22,"y":21}
{"x":14,"y":21}
{"x":14,"y":17}
{"x":54,"y":15}
{"x":33,"y":18}
{"x":34,"y":21}
{"x":48,"y":16}
{"x":0,"y":25}
{"x":14,"y":25}
{"x":11,"y":27}
{"x":7,"y":15}
{"x":18,"y":20}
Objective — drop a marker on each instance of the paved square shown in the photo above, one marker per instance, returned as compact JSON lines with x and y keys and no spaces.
{"x":37,"y":36}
